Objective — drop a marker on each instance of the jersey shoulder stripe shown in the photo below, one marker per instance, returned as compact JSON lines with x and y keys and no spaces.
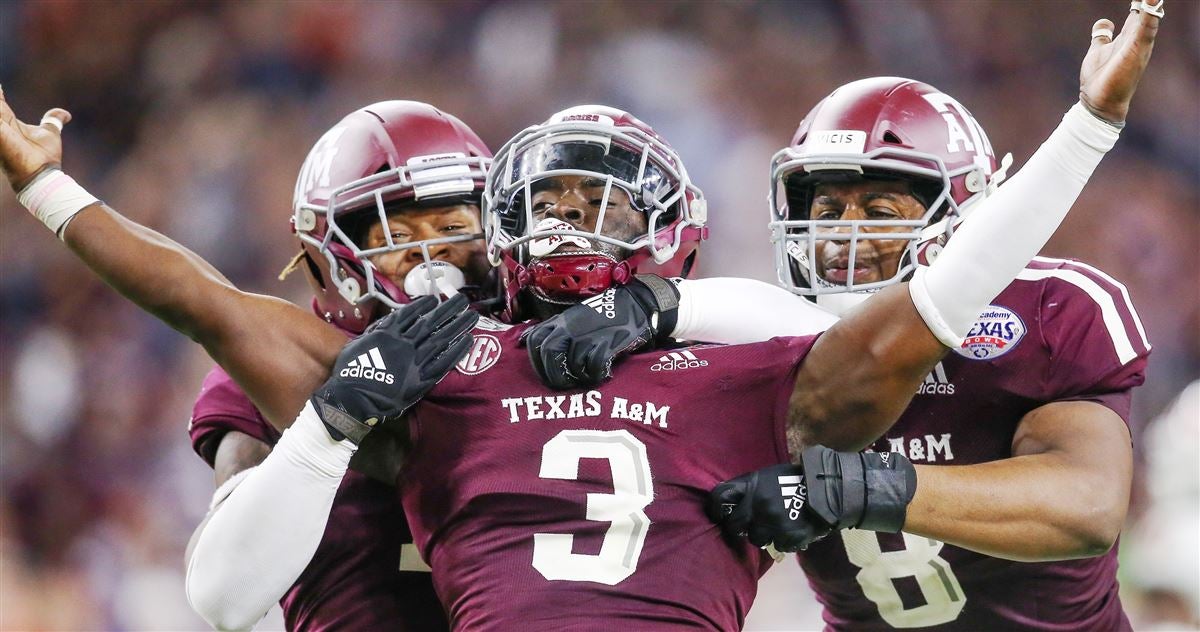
{"x":1104,"y":278}
{"x":1110,"y":311}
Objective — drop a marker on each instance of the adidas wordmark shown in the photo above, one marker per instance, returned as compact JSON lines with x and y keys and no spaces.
{"x":369,"y":366}
{"x":605,"y":303}
{"x":794,"y":493}
{"x":677,"y":361}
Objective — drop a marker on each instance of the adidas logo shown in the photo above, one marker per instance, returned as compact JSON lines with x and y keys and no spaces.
{"x":369,"y":366}
{"x":677,"y":361}
{"x":794,"y":494}
{"x":936,"y":383}
{"x":604,"y":304}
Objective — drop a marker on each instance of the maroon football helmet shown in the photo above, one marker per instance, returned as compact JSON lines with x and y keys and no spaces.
{"x":385,"y":154}
{"x":882,"y":127}
{"x":617,"y":148}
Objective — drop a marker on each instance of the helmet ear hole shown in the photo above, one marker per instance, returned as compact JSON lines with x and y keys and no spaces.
{"x":891,"y":137}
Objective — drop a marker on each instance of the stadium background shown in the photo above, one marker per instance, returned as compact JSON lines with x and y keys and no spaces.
{"x":193,"y":118}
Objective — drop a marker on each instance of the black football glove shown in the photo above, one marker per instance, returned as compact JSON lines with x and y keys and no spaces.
{"x":792,"y":506}
{"x":577,"y":347}
{"x":767,"y":506}
{"x":398,"y":359}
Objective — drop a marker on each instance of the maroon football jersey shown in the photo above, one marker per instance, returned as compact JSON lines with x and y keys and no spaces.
{"x":1063,"y":331}
{"x":354,"y":581}
{"x":584,"y":509}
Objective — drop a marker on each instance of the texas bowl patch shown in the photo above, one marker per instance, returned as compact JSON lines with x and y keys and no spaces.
{"x":997,"y":332}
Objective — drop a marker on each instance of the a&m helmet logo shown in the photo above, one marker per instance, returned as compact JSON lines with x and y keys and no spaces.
{"x":484,"y":354}
{"x":997,"y":332}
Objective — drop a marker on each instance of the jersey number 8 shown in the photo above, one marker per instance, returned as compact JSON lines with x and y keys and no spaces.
{"x":919,"y":559}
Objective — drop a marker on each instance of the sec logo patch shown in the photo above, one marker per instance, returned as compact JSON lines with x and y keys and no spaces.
{"x":483,"y":355}
{"x":997,"y":332}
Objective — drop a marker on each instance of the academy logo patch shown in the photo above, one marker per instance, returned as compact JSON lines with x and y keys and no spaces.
{"x":997,"y":332}
{"x":484,"y":354}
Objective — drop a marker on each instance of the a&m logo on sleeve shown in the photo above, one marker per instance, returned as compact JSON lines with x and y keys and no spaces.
{"x":997,"y":332}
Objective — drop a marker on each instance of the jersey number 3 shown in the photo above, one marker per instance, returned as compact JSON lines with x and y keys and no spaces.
{"x":633,"y":489}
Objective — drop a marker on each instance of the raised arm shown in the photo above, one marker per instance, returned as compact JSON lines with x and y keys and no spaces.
{"x":863,"y":372}
{"x":276,"y":351}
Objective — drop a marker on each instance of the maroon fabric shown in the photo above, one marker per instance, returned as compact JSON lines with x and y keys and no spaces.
{"x":495,"y":464}
{"x":222,"y":407}
{"x":353,"y":581}
{"x":967,"y":413}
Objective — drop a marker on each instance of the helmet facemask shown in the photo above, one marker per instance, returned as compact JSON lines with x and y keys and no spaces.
{"x":623,"y":161}
{"x":798,"y":239}
{"x":334,"y":232}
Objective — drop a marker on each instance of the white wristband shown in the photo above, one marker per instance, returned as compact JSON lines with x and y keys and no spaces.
{"x":54,"y":198}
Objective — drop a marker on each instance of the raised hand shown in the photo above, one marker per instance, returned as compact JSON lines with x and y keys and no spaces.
{"x":1113,"y":66}
{"x":403,"y":355}
{"x":27,"y":149}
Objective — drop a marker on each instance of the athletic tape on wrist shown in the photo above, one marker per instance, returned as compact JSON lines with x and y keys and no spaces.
{"x":54,"y":198}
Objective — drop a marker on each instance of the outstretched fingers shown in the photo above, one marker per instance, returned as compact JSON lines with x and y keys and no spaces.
{"x":441,"y":365}
{"x":434,"y":346}
{"x":399,"y":321}
{"x":1142,"y":24}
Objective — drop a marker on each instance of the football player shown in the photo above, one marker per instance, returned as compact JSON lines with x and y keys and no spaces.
{"x":561,"y":546}
{"x":422,"y":171}
{"x":1034,"y":403}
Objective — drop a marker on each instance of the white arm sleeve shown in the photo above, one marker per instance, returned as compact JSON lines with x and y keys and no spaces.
{"x":1008,"y":228}
{"x":265,"y":526}
{"x":738,"y":311}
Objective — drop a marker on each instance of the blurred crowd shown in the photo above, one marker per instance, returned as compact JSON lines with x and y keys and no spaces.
{"x":193,"y":118}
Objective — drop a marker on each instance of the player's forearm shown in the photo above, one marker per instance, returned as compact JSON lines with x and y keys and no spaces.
{"x":1028,"y":508}
{"x":157,"y":274}
{"x":260,"y":537}
{"x":861,"y":374}
{"x":274,"y":350}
